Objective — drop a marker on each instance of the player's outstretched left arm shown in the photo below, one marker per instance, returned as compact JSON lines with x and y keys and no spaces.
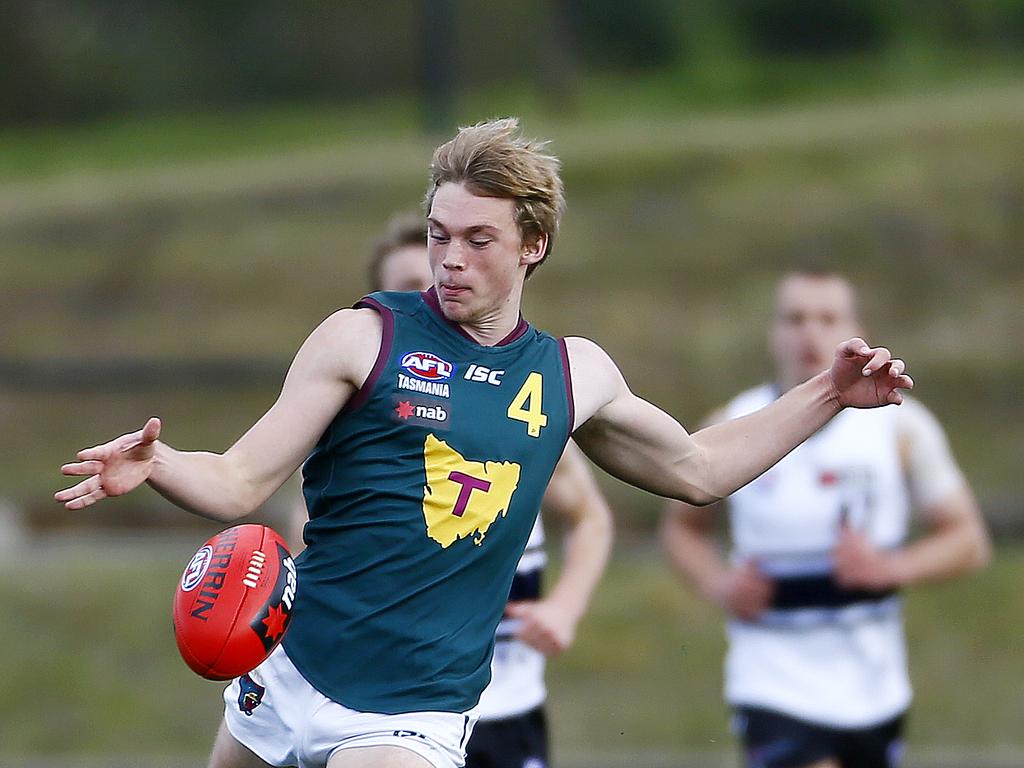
{"x":549,"y":624}
{"x":641,"y":444}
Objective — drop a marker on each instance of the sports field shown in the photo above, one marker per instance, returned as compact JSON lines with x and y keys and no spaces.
{"x":137,"y":261}
{"x":97,"y":678}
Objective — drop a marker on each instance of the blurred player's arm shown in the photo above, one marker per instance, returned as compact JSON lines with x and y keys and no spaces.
{"x":549,"y":624}
{"x":688,"y":538}
{"x":329,"y":367}
{"x":641,"y":444}
{"x":956,"y":540}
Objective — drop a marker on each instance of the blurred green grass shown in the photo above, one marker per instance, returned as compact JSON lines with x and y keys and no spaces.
{"x":93,"y":670}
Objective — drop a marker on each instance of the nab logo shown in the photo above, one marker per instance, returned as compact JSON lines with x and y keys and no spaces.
{"x":406,"y":410}
{"x":196,"y":569}
{"x":479,"y":373}
{"x":427,"y":366}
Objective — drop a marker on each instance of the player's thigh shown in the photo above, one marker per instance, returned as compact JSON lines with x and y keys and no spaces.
{"x":228,"y":753}
{"x":377,"y":757}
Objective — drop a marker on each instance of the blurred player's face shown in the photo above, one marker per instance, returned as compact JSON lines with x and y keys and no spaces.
{"x":813,"y":314}
{"x":406,"y":269}
{"x":477,"y":255}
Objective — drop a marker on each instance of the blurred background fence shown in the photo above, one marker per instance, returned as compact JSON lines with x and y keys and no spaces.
{"x":187,"y":188}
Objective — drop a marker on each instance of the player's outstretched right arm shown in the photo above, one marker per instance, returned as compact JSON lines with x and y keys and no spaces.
{"x":329,"y":367}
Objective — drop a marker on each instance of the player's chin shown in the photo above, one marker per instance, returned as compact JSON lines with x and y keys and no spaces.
{"x":457,"y":311}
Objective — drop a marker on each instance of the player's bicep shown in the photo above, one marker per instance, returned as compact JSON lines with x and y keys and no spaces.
{"x":639,"y":443}
{"x":629,"y":437}
{"x":325,"y":373}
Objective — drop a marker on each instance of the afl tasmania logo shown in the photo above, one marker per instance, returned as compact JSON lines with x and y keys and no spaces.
{"x":427,"y":366}
{"x":196,"y":569}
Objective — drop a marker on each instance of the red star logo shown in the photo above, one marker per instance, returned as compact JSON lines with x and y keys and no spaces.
{"x":275,"y":621}
{"x":404,"y":410}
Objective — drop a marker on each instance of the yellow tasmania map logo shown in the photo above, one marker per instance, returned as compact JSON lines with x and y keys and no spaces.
{"x":462,"y":498}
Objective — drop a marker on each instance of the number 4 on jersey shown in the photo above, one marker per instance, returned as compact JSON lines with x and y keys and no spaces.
{"x":526,"y":405}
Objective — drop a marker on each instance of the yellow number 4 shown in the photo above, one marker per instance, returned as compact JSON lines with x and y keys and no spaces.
{"x":526,"y":405}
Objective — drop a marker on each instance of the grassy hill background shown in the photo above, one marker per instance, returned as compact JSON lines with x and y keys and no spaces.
{"x":173,"y":266}
{"x":677,"y":227}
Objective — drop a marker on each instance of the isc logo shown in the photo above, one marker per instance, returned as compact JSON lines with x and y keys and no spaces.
{"x":425,"y":365}
{"x":479,"y":373}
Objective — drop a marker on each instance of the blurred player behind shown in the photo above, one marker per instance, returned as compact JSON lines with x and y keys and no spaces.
{"x":816,"y":669}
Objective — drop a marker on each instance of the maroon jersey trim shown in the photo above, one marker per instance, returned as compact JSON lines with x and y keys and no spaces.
{"x":387,"y":337}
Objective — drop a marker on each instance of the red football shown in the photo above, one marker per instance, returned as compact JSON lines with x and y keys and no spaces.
{"x":234,"y":601}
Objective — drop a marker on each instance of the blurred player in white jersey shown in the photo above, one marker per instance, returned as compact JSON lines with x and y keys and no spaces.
{"x":512,"y":729}
{"x":816,"y":671}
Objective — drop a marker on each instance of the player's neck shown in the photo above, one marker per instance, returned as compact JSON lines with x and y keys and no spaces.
{"x":495,"y":327}
{"x":500,"y":325}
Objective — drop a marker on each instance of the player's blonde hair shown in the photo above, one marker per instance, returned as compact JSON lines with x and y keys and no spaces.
{"x":493,"y":159}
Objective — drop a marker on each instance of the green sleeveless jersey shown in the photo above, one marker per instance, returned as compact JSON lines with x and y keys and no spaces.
{"x":421,"y":495}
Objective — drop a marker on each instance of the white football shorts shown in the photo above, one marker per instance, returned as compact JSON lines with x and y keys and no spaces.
{"x":277,"y":714}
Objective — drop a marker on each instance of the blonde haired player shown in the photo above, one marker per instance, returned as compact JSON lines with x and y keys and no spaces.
{"x":425,"y":479}
{"x":512,"y":729}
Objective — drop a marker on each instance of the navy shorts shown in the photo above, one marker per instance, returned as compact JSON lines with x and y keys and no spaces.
{"x":773,"y":740}
{"x":512,"y":742}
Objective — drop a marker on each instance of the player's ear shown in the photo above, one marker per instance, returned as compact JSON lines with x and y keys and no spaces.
{"x":534,"y":246}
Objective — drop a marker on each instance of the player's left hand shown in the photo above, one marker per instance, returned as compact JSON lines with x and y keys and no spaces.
{"x":867,"y":377}
{"x":859,"y":565}
{"x":543,"y":626}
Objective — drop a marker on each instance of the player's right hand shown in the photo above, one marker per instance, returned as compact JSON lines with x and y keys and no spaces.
{"x":746,"y":593}
{"x":114,"y":468}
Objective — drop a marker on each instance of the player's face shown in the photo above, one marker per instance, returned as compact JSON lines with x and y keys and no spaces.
{"x":477,"y":255}
{"x":813,"y":315}
{"x":406,"y":269}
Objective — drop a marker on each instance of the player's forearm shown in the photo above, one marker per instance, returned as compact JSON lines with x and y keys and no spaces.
{"x":207,"y":484}
{"x":737,"y":451}
{"x":587,"y":547}
{"x":693,"y":555}
{"x":948,"y":552}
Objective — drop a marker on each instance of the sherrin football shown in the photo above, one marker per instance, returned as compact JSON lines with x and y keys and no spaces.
{"x":234,"y":601}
